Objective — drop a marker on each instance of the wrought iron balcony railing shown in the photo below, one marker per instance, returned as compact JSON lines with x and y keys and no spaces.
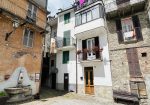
{"x":86,"y":54}
{"x":64,"y":42}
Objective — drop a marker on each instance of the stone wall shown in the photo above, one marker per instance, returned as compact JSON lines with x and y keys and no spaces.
{"x":99,"y":91}
{"x":113,"y":39}
{"x":118,"y":56}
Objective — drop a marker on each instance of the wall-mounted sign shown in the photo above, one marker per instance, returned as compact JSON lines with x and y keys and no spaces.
{"x":37,"y":77}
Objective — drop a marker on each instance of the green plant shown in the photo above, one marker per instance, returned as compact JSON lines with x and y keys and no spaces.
{"x":3,"y":94}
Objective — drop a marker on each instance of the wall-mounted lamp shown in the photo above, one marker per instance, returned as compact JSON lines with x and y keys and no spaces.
{"x":15,"y":24}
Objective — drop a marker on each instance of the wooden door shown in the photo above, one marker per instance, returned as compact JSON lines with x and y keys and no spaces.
{"x":66,"y":81}
{"x":89,"y":80}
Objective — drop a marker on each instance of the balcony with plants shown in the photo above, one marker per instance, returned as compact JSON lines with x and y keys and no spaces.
{"x":90,"y":55}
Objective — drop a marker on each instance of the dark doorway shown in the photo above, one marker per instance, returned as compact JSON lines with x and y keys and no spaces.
{"x":45,"y":71}
{"x":53,"y":80}
{"x":66,"y":81}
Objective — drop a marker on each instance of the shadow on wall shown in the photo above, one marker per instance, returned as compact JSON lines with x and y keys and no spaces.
{"x":13,"y":80}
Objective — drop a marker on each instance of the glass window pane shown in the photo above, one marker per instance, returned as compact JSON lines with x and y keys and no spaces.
{"x":25,"y":41}
{"x":86,"y":77}
{"x":78,"y":19}
{"x":95,"y":12}
{"x":84,"y":18}
{"x":91,"y":77}
{"x":89,"y":16}
{"x":30,"y":42}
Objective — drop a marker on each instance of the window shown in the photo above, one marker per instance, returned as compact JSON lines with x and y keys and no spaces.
{"x":127,"y":25}
{"x":129,"y":29}
{"x":139,"y":89}
{"x":95,"y":12}
{"x":78,"y":19}
{"x":28,"y":38}
{"x":91,"y":49}
{"x":90,"y":14}
{"x":32,"y":10}
{"x":83,"y":18}
{"x":65,"y":57}
{"x":90,"y":45}
{"x":67,"y":18}
{"x":66,"y":39}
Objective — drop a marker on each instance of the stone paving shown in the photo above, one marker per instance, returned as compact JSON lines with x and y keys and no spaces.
{"x":62,"y":98}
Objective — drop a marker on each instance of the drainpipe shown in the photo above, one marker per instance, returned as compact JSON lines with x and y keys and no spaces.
{"x":76,"y":69}
{"x":50,"y":54}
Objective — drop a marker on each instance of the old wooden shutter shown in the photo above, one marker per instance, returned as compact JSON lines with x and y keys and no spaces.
{"x":84,"y":47}
{"x":133,"y":62}
{"x":119,"y":30}
{"x":97,"y":45}
{"x":137,"y":26}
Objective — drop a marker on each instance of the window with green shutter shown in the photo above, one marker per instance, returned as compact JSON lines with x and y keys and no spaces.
{"x":67,"y":18}
{"x":66,"y":39}
{"x":65,"y":57}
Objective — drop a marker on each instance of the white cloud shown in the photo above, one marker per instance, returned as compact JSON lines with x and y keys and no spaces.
{"x":54,"y":5}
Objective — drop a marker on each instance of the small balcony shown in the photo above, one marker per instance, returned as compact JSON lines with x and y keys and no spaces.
{"x":64,"y":44}
{"x":123,"y":7}
{"x":87,"y":55}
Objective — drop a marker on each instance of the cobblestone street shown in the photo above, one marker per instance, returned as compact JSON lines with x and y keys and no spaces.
{"x":51,"y":97}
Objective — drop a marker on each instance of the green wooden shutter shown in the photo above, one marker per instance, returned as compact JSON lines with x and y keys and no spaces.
{"x":65,"y":57}
{"x":66,"y":39}
{"x":67,"y":18}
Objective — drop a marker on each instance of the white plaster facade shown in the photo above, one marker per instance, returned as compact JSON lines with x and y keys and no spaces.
{"x":101,"y":68}
{"x":70,"y":67}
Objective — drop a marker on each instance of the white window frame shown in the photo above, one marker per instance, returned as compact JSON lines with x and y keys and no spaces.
{"x":90,"y":54}
{"x":28,"y":38}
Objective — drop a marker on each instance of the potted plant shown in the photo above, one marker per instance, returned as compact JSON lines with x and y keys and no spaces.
{"x":3,"y":98}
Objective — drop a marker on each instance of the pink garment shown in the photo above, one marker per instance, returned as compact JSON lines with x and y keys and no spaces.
{"x":81,"y":2}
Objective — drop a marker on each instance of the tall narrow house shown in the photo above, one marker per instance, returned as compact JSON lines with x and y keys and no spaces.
{"x":93,"y":63}
{"x":66,"y":52}
{"x":129,"y":47}
{"x":22,"y":26}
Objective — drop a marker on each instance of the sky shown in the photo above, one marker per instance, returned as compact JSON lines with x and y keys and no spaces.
{"x":54,"y":5}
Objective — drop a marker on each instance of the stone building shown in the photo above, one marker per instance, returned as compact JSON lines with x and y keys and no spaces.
{"x":22,"y":27}
{"x":129,"y":48}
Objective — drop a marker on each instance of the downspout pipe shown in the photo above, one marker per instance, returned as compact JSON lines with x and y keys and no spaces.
{"x":76,"y":69}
